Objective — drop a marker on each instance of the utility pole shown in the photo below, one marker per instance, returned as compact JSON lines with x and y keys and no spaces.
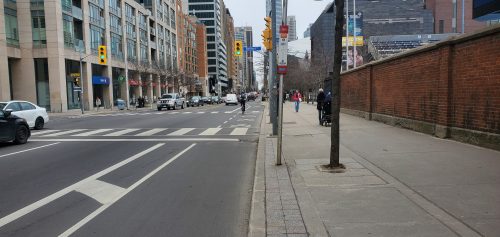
{"x":272,"y":85}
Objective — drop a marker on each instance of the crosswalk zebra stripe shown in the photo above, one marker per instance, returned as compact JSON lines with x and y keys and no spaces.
{"x":122,"y":132}
{"x":181,"y":132}
{"x":187,"y":112}
{"x":210,"y":131}
{"x":174,"y":113}
{"x":86,"y":134}
{"x":151,"y":132}
{"x":239,"y":131}
{"x":215,"y":112}
{"x":43,"y":132}
{"x":64,"y":133}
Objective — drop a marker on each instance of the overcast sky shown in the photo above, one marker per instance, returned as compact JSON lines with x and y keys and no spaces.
{"x":252,"y":13}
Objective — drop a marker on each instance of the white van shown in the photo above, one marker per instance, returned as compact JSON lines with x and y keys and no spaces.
{"x":231,"y":99}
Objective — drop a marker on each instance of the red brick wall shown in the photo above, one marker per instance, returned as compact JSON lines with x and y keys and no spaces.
{"x":454,"y":84}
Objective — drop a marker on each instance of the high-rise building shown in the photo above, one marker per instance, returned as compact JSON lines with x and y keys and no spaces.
{"x":231,"y":58}
{"x":201,"y":57}
{"x":307,"y":33}
{"x":44,"y":66}
{"x":446,"y":20}
{"x":279,"y":17}
{"x":246,"y":35}
{"x":292,"y":28}
{"x":211,"y":13}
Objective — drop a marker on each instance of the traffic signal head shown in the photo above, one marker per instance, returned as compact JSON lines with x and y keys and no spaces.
{"x":267,"y":39}
{"x":238,"y":48}
{"x":102,"y":55}
{"x":268,"y":22}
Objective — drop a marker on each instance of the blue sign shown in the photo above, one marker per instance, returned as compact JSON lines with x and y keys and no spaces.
{"x":100,"y":80}
{"x":246,"y":49}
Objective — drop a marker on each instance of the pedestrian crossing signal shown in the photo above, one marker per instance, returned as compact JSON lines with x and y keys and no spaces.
{"x":103,"y":58}
{"x":238,"y":46}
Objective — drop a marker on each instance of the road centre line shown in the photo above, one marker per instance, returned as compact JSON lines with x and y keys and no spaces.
{"x":31,"y":149}
{"x":44,"y":201}
{"x":128,"y":190}
{"x":142,"y":140}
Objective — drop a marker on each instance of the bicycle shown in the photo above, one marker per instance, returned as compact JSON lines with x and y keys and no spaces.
{"x":243,"y":108}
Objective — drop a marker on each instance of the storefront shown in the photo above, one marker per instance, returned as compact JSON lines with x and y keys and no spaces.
{"x":100,"y":84}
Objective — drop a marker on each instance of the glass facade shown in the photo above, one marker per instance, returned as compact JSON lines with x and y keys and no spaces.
{"x":38,"y":28}
{"x":11,"y":25}
{"x":42,"y":82}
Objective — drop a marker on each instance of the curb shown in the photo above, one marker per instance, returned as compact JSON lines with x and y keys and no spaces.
{"x":257,"y":223}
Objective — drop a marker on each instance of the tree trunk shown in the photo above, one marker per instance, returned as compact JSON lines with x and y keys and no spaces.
{"x":337,"y":63}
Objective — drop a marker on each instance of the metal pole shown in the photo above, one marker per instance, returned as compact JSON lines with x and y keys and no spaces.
{"x":280,"y":122}
{"x":81,"y":81}
{"x":347,"y":35}
{"x":463,"y":16}
{"x":355,"y":47}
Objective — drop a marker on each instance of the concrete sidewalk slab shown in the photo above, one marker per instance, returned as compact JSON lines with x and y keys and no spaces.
{"x":397,"y":183}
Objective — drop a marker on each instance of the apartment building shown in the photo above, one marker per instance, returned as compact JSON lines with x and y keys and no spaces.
{"x":248,"y":80}
{"x":231,"y":58}
{"x":42,"y":42}
{"x":292,"y":28}
{"x":201,"y":50}
{"x":211,"y":13}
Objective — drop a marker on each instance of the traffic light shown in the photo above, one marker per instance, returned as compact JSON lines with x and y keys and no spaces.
{"x":238,"y":46}
{"x":267,"y":35}
{"x":102,"y":55}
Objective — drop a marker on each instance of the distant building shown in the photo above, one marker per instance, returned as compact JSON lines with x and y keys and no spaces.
{"x":279,"y":17}
{"x":448,"y":21}
{"x":201,"y":56}
{"x":292,"y":28}
{"x":307,"y":33}
{"x":245,"y":34}
{"x":486,"y":10}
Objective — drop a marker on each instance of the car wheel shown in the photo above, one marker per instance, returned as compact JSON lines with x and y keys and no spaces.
{"x":39,"y":123}
{"x":175,"y":106}
{"x":159,"y":109}
{"x":21,"y":135}
{"x":182,"y":106}
{"x":168,"y":108}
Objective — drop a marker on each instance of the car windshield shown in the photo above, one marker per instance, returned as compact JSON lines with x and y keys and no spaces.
{"x":2,"y":105}
{"x":195,"y":98}
{"x":167,"y":97}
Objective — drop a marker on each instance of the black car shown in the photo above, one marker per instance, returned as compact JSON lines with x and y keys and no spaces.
{"x":216,"y":100}
{"x":195,"y":101}
{"x":13,"y":128}
{"x":206,"y":100}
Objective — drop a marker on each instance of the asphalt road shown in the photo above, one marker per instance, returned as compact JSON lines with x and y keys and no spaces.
{"x":149,"y":173}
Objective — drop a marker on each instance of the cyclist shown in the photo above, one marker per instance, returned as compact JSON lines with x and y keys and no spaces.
{"x":243,"y":101}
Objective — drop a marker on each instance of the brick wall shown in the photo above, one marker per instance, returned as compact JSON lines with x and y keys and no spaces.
{"x":453,"y":84}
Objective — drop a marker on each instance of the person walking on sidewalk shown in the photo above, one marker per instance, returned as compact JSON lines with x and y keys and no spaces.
{"x":320,"y":99}
{"x":297,"y":98}
{"x":98,"y":103}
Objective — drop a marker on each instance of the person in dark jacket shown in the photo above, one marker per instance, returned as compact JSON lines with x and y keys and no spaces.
{"x":320,"y":99}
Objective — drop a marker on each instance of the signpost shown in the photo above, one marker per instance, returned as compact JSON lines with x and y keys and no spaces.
{"x":282,"y":69}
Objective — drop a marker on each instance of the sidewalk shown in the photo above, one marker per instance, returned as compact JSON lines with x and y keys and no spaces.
{"x":397,"y":183}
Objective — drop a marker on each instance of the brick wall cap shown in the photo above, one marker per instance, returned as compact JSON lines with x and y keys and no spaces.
{"x":452,"y":40}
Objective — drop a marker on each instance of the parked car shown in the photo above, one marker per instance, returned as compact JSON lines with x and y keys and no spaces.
{"x":231,"y":99}
{"x":216,"y":100}
{"x":207,"y":99}
{"x":251,"y":97}
{"x":170,"y":101}
{"x":35,"y":116}
{"x":13,"y":128}
{"x":195,"y":101}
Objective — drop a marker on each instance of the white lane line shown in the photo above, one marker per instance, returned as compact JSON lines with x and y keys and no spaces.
{"x":43,"y":132}
{"x":187,"y":112}
{"x":174,"y":113}
{"x":215,"y":112}
{"x":122,"y":132}
{"x":239,"y":131}
{"x":141,"y":140}
{"x":64,"y":133}
{"x":42,"y":202}
{"x":181,"y":132}
{"x":230,"y":118}
{"x":224,"y":122}
{"x":86,"y":134}
{"x":128,"y":190}
{"x":101,"y":191}
{"x":210,"y":131}
{"x":31,"y":149}
{"x":151,"y":132}
{"x":230,"y":112}
{"x":200,"y":112}
{"x":160,"y":113}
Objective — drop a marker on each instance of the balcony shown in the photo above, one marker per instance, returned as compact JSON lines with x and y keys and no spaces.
{"x":99,"y":3}
{"x":152,"y":44}
{"x":116,"y":30}
{"x":130,"y":19}
{"x":132,"y":36}
{"x":99,"y":21}
{"x":143,"y":26}
{"x":77,"y":13}
{"x":36,"y":6}
{"x":118,"y":56}
{"x":152,"y":31}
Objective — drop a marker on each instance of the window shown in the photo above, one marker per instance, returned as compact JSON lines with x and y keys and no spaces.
{"x":210,"y":31}
{"x":131,"y":50}
{"x":115,"y":23}
{"x":14,"y":107}
{"x":27,"y":106}
{"x":201,"y":7}
{"x":11,"y":27}
{"x":69,"y":38}
{"x":38,"y":28}
{"x":172,"y":18}
{"x":441,"y":26}
{"x":96,"y":37}
{"x":130,"y":30}
{"x":116,"y":46}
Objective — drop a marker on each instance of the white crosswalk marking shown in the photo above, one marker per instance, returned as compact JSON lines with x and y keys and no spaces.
{"x":201,"y":112}
{"x":210,"y":131}
{"x":174,"y":113}
{"x":239,"y":131}
{"x":181,"y":132}
{"x":151,"y":132}
{"x":64,"y":133}
{"x":43,"y":132}
{"x":86,"y":134}
{"x":122,"y":132}
{"x":215,"y":112}
{"x":187,"y":112}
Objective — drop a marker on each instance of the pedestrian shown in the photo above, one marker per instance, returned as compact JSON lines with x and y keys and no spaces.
{"x":98,"y":103}
{"x":320,"y":99}
{"x":297,"y":98}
